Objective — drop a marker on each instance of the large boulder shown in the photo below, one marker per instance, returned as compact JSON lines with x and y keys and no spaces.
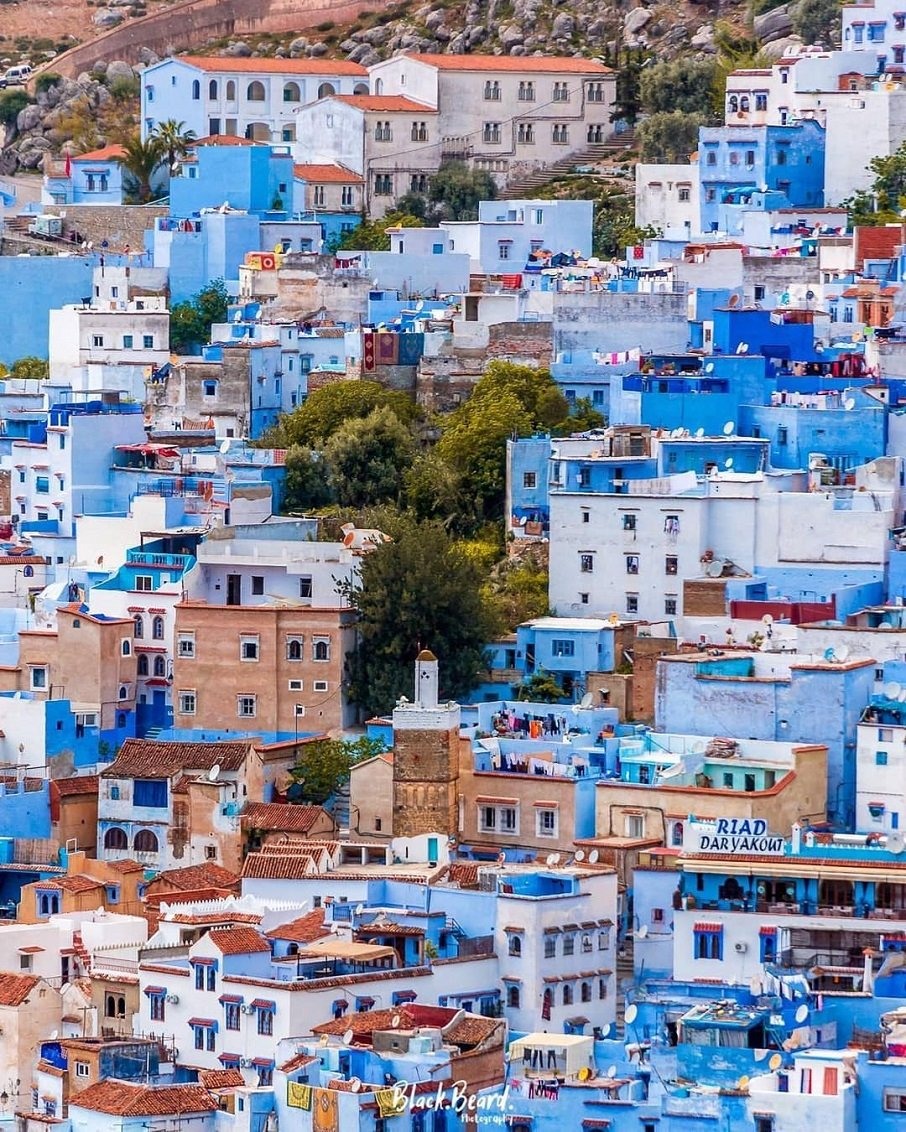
{"x":635,"y":20}
{"x":774,"y":24}
{"x":563,"y":26}
{"x":107,"y":18}
{"x":118,"y":69}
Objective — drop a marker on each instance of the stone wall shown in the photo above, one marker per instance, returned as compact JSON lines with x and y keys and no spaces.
{"x":192,"y":22}
{"x":526,"y":343}
{"x":425,"y":782}
{"x":122,"y":225}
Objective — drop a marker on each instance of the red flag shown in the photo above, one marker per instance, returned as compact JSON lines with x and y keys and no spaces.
{"x":68,"y":166}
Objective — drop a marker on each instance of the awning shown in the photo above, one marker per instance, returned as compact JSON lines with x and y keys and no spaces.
{"x":229,"y":1058}
{"x":333,"y":948}
{"x":263,"y":1062}
{"x":704,"y":926}
{"x":263,"y":1004}
{"x":204,"y":1023}
{"x":767,"y":930}
{"x":493,"y":800}
{"x":576,"y":1050}
{"x":578,"y":1020}
{"x":155,"y":992}
{"x":233,"y":998}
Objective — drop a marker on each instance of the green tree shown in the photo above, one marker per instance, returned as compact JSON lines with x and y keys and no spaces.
{"x":669,"y":137}
{"x":12,"y":102}
{"x":190,"y":321}
{"x":367,"y":458}
{"x":328,"y":408}
{"x":323,"y":766}
{"x":140,"y":161}
{"x":627,"y":104}
{"x":371,"y":235}
{"x":48,"y":79}
{"x":540,"y":687}
{"x":517,"y":591}
{"x":29,"y":366}
{"x":419,"y":591}
{"x":457,"y":190}
{"x":175,"y":140}
{"x":583,"y":416}
{"x":678,"y":84}
{"x":817,"y":21}
{"x":890,"y":179}
{"x":306,"y":487}
{"x":434,"y":491}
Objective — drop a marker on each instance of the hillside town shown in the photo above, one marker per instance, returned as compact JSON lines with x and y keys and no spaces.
{"x":349,"y":486}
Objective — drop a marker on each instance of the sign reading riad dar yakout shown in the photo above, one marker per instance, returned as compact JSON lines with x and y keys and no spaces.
{"x":732,"y":835}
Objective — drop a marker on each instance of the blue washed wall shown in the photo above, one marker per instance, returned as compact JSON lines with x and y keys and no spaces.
{"x":860,"y":434}
{"x":33,"y":286}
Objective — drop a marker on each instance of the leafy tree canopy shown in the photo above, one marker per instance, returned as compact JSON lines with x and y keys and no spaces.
{"x":541,"y":688}
{"x":328,"y":408}
{"x":367,"y":458}
{"x":29,"y":366}
{"x":11,"y":103}
{"x":457,"y":190}
{"x":817,"y":21}
{"x":669,"y":136}
{"x":141,"y":160}
{"x":190,"y":322}
{"x":323,"y":766}
{"x":678,"y":84}
{"x":306,"y":487}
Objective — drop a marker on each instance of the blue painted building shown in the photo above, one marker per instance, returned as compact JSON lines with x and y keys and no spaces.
{"x":528,"y":485}
{"x":91,"y":178}
{"x":251,"y":177}
{"x":735,"y":160}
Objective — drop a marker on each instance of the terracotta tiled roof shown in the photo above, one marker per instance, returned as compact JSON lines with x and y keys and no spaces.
{"x":15,"y":989}
{"x":206,"y":875}
{"x":221,"y":1078}
{"x":306,"y":929}
{"x":238,"y":941}
{"x":530,"y":64}
{"x":281,"y":818}
{"x":387,"y":103}
{"x":464,"y":873}
{"x":470,"y":1030}
{"x":78,"y":784}
{"x":119,"y":1098}
{"x":277,"y":866}
{"x":297,"y":1062}
{"x":274,"y":66}
{"x":126,"y":866}
{"x":146,"y":758}
{"x":336,"y":173}
{"x":224,"y":140}
{"x":76,"y":883}
{"x":108,"y":153}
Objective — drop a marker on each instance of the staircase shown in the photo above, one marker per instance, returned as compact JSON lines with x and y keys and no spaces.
{"x":81,"y":952}
{"x":520,"y":187}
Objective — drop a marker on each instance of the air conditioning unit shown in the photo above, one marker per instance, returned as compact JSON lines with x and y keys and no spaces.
{"x":247,"y":1009}
{"x":245,"y":1063}
{"x":174,"y":998}
{"x":742,"y":948}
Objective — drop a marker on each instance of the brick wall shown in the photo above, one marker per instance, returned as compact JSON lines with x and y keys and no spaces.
{"x":528,"y":343}
{"x":425,"y":782}
{"x":121,"y":225}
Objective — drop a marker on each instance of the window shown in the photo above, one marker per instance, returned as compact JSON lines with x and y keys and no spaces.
{"x":782,"y":436}
{"x":560,"y":133}
{"x":632,"y":603}
{"x":503,"y":249}
{"x":768,"y":945}
{"x":491,"y":133}
{"x":708,"y":941}
{"x":629,"y":522}
{"x":529,"y":479}
{"x":604,"y":939}
{"x":683,"y":194}
{"x":527,"y":91}
{"x":781,"y":157}
{"x":563,"y":647}
{"x":38,"y":679}
{"x":247,"y":706}
{"x":550,"y":946}
{"x":196,"y":90}
{"x":561,"y":92}
{"x":185,"y":645}
{"x":761,"y":103}
{"x":587,"y":563}
{"x":512,"y":996}
{"x":294,"y":648}
{"x":127,"y":341}
{"x":346,"y":198}
{"x":670,"y":604}
{"x":569,"y":945}
{"x":126,"y":648}
{"x":42,"y":484}
{"x":586,"y":515}
{"x":419,"y":132}
{"x":248,"y":647}
{"x":764,"y":1122}
{"x":209,"y":387}
{"x":187,"y":701}
{"x":157,"y":628}
{"x":115,"y":838}
{"x":257,"y":585}
{"x":583,"y":599}
{"x":141,"y":667}
{"x":383,"y":185}
{"x":632,"y":564}
{"x":320,"y":649}
{"x":145,"y":842}
{"x":880,"y":758}
{"x":97,"y":340}
{"x":265,"y":1022}
{"x":151,"y":792}
{"x":895,"y":1100}
{"x":158,"y":1007}
{"x":596,"y":92}
{"x":382,"y":131}
{"x":231,"y":1015}
{"x":148,"y":341}
{"x":711,"y":159}
{"x":255,"y":92}
{"x":525,"y":133}
{"x":567,"y":996}
{"x":492,"y":90}
{"x":515,"y":946}
{"x":546,"y":824}
{"x":501,"y":819}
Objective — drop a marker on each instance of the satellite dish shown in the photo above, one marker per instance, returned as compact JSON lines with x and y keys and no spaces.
{"x":587,"y":700}
{"x":892,"y":690}
{"x":642,"y":933}
{"x":699,"y":432}
{"x":842,"y":652}
{"x":849,"y":403}
{"x":605,"y":1030}
{"x":885,"y":624}
{"x":593,"y":857}
{"x":554,"y":859}
{"x":760,"y":1054}
{"x":54,"y":1035}
{"x":347,"y":1037}
{"x":355,"y":1085}
{"x":714,"y":569}
{"x":214,"y":773}
{"x":742,"y":348}
{"x":743,"y":1082}
{"x":830,"y":656}
{"x":895,"y":844}
{"x":632,"y":1012}
{"x":224,"y":447}
{"x":728,"y":463}
{"x":767,"y":619}
{"x":611,"y":1069}
{"x":775,"y":1063}
{"x":801,"y":1013}
{"x":729,"y":428}
{"x":709,"y":368}
{"x":359,"y":909}
{"x":580,"y":855}
{"x":699,"y":747}
{"x":395,"y":1021}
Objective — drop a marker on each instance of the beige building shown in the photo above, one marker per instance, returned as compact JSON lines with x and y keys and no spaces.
{"x":30,"y":1010}
{"x":371,"y":797}
{"x":328,"y":188}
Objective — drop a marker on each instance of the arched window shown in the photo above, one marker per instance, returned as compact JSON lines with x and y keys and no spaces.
{"x":512,"y":996}
{"x":231,"y":91}
{"x":546,"y":1003}
{"x":586,"y":992}
{"x":325,"y":90}
{"x":121,"y":718}
{"x":212,"y":89}
{"x":361,"y":88}
{"x":567,"y":995}
{"x":676,"y":837}
{"x":732,"y":103}
{"x":291,"y":92}
{"x":138,"y":626}
{"x":321,"y":650}
{"x":110,"y":1006}
{"x":255,"y":92}
{"x":515,"y":945}
{"x":160,"y":666}
{"x":142,"y":665}
{"x":294,"y":649}
{"x":121,"y":1007}
{"x":379,"y":86}
{"x":115,"y":838}
{"x":196,"y":90}
{"x":145,"y":842}
{"x":744,"y":104}
{"x":157,"y":628}
{"x":126,"y":648}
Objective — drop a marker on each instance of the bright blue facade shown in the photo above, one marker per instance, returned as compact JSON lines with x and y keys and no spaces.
{"x":735,"y":161}
{"x":251,"y":177}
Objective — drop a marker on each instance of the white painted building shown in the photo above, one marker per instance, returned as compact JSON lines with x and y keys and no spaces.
{"x":246,"y":98}
{"x":508,"y":232}
{"x":819,"y":1090}
{"x":667,"y":199}
{"x":880,"y":774}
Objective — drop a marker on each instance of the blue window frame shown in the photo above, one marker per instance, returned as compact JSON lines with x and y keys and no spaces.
{"x":709,"y":941}
{"x":880,"y":758}
{"x":767,"y":942}
{"x":151,"y":792}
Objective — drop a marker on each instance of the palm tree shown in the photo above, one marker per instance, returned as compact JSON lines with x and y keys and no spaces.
{"x":140,"y":161}
{"x":175,"y":140}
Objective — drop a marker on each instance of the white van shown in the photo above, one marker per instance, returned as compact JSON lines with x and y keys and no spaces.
{"x":16,"y":76}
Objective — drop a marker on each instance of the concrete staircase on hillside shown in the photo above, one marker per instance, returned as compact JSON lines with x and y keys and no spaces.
{"x":521,"y":187}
